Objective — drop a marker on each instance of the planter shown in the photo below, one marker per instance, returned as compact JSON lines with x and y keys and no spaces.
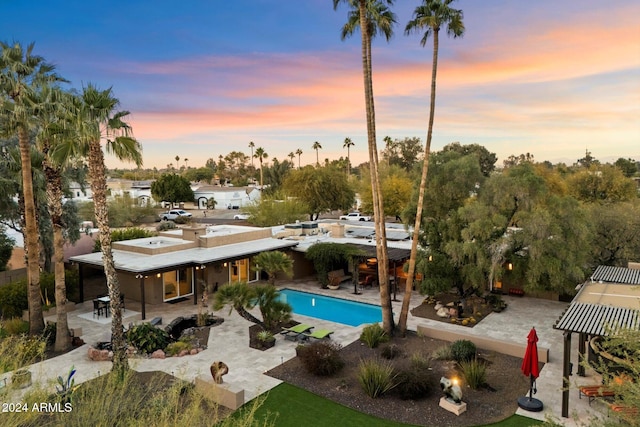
{"x":21,"y":378}
{"x":255,"y":342}
{"x":333,"y":287}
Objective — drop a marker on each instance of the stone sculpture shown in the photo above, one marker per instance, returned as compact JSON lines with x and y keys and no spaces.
{"x":218,"y":369}
{"x":451,"y":390}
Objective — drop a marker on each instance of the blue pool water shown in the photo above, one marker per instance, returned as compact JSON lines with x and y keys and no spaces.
{"x":338,"y":310}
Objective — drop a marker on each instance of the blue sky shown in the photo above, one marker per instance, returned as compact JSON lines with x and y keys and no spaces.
{"x":203,"y":78}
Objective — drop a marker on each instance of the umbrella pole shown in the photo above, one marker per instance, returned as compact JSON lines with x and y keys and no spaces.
{"x":531,"y":387}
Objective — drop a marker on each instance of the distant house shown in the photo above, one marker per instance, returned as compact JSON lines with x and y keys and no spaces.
{"x":226,"y":197}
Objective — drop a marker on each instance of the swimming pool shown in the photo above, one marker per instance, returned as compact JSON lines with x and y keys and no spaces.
{"x":338,"y":310}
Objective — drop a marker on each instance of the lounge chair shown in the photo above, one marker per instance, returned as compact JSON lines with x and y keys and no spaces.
{"x":594,"y":391}
{"x":318,"y":334}
{"x":295,"y":332}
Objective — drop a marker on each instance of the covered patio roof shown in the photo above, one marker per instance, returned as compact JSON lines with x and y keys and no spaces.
{"x":395,"y":254}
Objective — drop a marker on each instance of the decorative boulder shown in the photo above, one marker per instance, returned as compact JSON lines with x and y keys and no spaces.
{"x":443,"y":312}
{"x":218,"y":369}
{"x":158,"y":354}
{"x":438,"y":306}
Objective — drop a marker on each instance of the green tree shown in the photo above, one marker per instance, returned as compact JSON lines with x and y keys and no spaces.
{"x":348,"y":143}
{"x":616,"y":235}
{"x":316,"y":146}
{"x":252,"y":145}
{"x":276,"y":209}
{"x":602,"y":184}
{"x":396,"y":186}
{"x":430,"y":16}
{"x":275,"y":174}
{"x":485,"y":157}
{"x":261,"y":155}
{"x":373,"y":17}
{"x":629,"y":167}
{"x":242,"y":298}
{"x":320,"y":189}
{"x":23,"y":74}
{"x":328,"y":256}
{"x":97,"y":122}
{"x":299,"y":153}
{"x":272,"y":262}
{"x":6,"y":248}
{"x":199,"y":174}
{"x":403,"y":153}
{"x":172,"y":188}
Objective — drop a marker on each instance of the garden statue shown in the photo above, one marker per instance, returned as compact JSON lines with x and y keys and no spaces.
{"x":218,"y":369}
{"x":451,"y":390}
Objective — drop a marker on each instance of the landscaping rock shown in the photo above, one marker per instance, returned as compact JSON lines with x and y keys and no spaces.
{"x":438,"y":306}
{"x":193,"y":351}
{"x":443,"y":312}
{"x":183,"y":353}
{"x":158,"y":354}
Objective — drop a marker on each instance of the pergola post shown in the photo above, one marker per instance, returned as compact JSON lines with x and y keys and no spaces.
{"x":194,"y":273}
{"x":81,"y":281}
{"x":144,"y":312}
{"x":566,"y":368}
{"x":582,"y":338}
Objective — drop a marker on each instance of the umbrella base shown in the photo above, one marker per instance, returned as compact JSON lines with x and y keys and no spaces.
{"x":530,"y":404}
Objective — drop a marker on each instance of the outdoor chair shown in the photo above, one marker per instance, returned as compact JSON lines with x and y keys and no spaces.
{"x":594,"y":391}
{"x":318,"y":334}
{"x":295,"y":332}
{"x":122,"y":302}
{"x":367,"y":282}
{"x":98,"y":308}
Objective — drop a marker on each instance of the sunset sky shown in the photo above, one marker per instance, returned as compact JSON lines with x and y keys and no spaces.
{"x":203,"y":78}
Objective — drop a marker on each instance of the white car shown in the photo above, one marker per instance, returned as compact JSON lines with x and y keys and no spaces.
{"x":355,"y":216}
{"x":241,"y":216}
{"x":173,"y":214}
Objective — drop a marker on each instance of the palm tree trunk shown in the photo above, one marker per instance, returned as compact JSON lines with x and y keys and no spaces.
{"x":97,"y":175}
{"x":248,"y":316}
{"x":32,"y":246}
{"x":378,"y":210}
{"x":404,"y":313}
{"x":54,"y":197}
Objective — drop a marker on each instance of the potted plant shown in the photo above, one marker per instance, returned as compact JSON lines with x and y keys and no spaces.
{"x":265,"y":340}
{"x":21,"y":378}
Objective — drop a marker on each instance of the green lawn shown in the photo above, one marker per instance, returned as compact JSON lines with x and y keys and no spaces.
{"x":291,"y":406}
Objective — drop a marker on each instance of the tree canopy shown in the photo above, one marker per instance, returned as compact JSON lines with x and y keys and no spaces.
{"x":172,"y":188}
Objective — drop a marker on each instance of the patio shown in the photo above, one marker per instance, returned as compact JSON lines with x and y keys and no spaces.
{"x":229,"y":342}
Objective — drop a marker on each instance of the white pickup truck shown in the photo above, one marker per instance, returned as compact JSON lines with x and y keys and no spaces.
{"x":355,"y":216}
{"x":173,"y":214}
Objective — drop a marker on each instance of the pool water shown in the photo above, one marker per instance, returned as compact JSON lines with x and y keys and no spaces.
{"x":337,"y":310}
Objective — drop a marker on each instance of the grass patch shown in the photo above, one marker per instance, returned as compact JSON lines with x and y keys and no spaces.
{"x":290,"y":406}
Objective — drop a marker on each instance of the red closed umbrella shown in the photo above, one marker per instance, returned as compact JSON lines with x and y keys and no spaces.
{"x":530,"y":368}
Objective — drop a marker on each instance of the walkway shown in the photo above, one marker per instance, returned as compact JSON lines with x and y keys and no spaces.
{"x":229,"y":343}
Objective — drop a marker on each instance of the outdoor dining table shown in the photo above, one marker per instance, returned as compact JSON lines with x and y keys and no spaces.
{"x":105,"y":300}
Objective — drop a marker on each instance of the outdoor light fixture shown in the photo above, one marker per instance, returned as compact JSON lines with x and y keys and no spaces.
{"x":225,"y":264}
{"x":158,"y":275}
{"x":139,"y":276}
{"x":202,"y":267}
{"x":509,"y":266}
{"x":430,"y":258}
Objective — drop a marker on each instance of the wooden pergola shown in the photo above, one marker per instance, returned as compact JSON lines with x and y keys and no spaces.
{"x":608,"y":302}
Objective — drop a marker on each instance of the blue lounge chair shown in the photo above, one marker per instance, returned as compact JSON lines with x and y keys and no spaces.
{"x":295,"y":332}
{"x":318,"y":334}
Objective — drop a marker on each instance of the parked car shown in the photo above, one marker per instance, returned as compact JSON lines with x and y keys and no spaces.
{"x":355,"y":216}
{"x":174,"y":213}
{"x":241,"y":216}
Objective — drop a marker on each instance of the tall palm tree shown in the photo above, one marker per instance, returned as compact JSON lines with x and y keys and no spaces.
{"x":291,"y":156}
{"x":252,"y":146}
{"x":430,"y":16}
{"x":23,"y":74}
{"x":99,"y":122}
{"x":271,"y":262}
{"x":261,"y":154}
{"x":185,"y":163}
{"x":348,"y":144}
{"x":372,"y":17}
{"x":316,"y":146}
{"x":299,"y":153}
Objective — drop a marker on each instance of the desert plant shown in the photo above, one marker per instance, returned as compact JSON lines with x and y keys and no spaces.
{"x":66,"y":388}
{"x":21,"y":350}
{"x":496,"y":302}
{"x":272,"y":262}
{"x":390,"y":351}
{"x":413,"y":384}
{"x":182,"y":220}
{"x":373,"y":335}
{"x":125,"y":234}
{"x":166,"y":225}
{"x":419,"y":361}
{"x":463,"y":350}
{"x":474,"y":372}
{"x":13,"y":326}
{"x":321,"y":358}
{"x":443,"y":353}
{"x":265,"y":336}
{"x":175,"y":348}
{"x":147,"y":338}
{"x":49,"y":333}
{"x":376,"y":377}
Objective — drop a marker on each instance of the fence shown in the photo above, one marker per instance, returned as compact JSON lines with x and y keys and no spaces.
{"x":10,"y":276}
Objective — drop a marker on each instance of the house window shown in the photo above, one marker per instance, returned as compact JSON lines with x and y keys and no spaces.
{"x":177,"y":283}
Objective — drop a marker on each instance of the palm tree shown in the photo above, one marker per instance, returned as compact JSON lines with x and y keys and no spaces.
{"x":291,"y":156}
{"x":316,"y":146}
{"x":261,"y":154}
{"x":348,"y":144}
{"x":271,"y":262}
{"x":299,"y":153}
{"x":373,"y":16}
{"x":98,"y":121}
{"x":252,"y":146}
{"x":430,"y":16}
{"x":23,"y":74}
{"x":185,"y":163}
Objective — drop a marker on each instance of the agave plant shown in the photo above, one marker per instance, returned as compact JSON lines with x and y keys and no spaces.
{"x":66,"y":388}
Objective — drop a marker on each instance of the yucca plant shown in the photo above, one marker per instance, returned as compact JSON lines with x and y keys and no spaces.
{"x":376,"y":377}
{"x":373,"y":335}
{"x":474,"y":372}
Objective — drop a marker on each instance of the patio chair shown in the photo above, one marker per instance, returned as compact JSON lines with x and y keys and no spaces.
{"x":318,"y":334}
{"x":98,"y":308}
{"x":594,"y":391}
{"x":122,"y":302}
{"x":295,"y":332}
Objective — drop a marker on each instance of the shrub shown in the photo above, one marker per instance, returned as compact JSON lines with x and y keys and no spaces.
{"x":265,"y":336}
{"x":321,"y":358}
{"x":17,"y":351}
{"x":413,"y":384}
{"x":125,"y":234}
{"x":376,"y":377}
{"x":463,"y":350}
{"x":419,"y":361}
{"x":176,"y":347}
{"x":166,"y":225}
{"x":147,"y":338}
{"x":13,"y":299}
{"x":390,"y":351}
{"x":13,"y":326}
{"x":182,"y":220}
{"x":474,"y":372}
{"x":443,"y":353}
{"x":49,"y":333}
{"x":373,"y":334}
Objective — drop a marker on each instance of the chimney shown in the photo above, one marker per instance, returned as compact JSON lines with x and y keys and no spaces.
{"x":337,"y":230}
{"x":193,"y":233}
